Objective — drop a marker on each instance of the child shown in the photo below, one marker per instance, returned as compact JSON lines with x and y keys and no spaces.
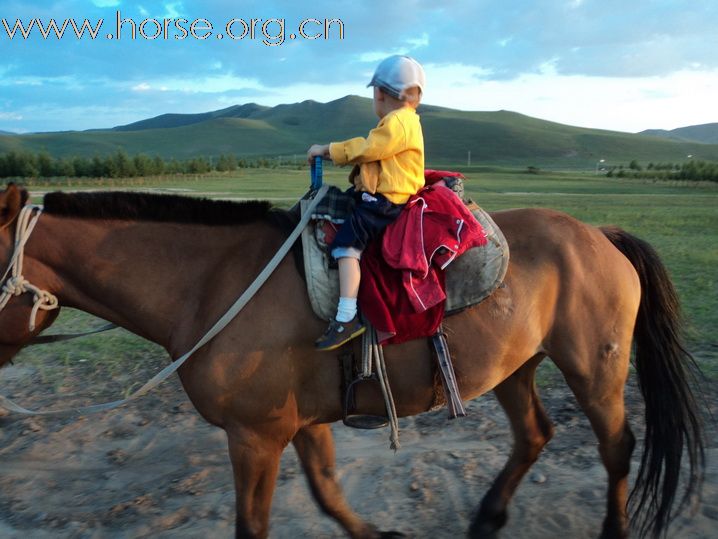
{"x":391,"y":160}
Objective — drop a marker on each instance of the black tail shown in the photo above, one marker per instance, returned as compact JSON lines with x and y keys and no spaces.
{"x":665,"y":369}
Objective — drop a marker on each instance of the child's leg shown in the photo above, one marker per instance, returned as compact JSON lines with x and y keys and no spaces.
{"x":349,"y":278}
{"x":346,"y":324}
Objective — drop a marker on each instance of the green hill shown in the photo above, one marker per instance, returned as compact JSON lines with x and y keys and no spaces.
{"x":705,"y":133}
{"x":251,"y":130}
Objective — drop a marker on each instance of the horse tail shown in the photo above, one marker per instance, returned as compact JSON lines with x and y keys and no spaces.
{"x":664,"y":369}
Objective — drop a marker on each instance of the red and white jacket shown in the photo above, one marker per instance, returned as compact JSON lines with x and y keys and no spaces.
{"x":433,"y":229}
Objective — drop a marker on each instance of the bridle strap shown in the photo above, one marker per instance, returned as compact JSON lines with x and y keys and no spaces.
{"x":16,"y":284}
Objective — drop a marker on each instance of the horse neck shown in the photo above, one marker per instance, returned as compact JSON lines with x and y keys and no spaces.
{"x":146,"y":277}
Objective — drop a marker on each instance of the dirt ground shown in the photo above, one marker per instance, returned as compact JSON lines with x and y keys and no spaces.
{"x":156,"y":469}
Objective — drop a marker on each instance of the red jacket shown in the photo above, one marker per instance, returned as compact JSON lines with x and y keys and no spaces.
{"x":403,"y":294}
{"x":434,"y":228}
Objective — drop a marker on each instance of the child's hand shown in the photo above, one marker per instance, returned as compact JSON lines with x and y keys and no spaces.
{"x":318,"y":150}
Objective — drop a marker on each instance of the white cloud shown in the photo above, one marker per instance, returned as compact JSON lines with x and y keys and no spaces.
{"x":65,"y":82}
{"x":453,"y":76}
{"x":411,"y":45}
{"x":376,"y":56}
{"x":10,"y":116}
{"x":416,"y":43}
{"x":141,"y":87}
{"x":211,"y":84}
{"x":173,"y":10}
{"x":625,"y":104}
{"x":548,"y":68}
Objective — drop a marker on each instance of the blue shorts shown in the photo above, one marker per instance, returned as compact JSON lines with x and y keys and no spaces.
{"x":371,"y":215}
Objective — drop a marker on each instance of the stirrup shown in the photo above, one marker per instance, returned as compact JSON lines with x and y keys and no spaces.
{"x":361,"y":421}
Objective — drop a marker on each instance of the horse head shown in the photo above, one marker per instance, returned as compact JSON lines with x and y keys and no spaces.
{"x":22,"y":313}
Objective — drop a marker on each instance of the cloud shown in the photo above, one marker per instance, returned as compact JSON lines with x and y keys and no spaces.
{"x":173,"y":10}
{"x":472,"y":50}
{"x":626,"y":104}
{"x":410,"y":45}
{"x":211,"y":84}
{"x":10,"y":116}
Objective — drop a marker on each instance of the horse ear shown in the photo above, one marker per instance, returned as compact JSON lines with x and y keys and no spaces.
{"x":11,"y":202}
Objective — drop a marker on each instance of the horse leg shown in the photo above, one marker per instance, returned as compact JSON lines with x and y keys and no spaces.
{"x":532,"y":429}
{"x":315,"y":448}
{"x":255,"y":464}
{"x":599,"y":392}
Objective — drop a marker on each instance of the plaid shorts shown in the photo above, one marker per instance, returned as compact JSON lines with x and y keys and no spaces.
{"x":370,"y":216}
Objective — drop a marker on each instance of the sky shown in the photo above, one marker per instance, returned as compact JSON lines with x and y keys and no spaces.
{"x":625,"y":66}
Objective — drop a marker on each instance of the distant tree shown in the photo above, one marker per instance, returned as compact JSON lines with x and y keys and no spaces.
{"x":97,"y":167}
{"x":198,"y":165}
{"x":28,"y":166}
{"x":64,"y":167}
{"x":158,"y":165}
{"x":82,"y":166}
{"x":124,"y":167}
{"x":226,"y":163}
{"x":45,"y":165}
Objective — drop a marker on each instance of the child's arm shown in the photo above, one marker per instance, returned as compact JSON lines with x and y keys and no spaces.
{"x":385,"y":140}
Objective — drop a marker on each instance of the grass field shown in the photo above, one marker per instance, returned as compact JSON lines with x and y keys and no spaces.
{"x":679,"y":220}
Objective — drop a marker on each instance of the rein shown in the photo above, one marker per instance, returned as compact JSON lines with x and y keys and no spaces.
{"x":238,"y":305}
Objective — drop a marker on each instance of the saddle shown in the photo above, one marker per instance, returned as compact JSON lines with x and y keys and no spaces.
{"x":469,"y":279}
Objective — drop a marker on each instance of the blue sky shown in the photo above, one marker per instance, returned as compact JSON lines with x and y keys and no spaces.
{"x":597,"y":63}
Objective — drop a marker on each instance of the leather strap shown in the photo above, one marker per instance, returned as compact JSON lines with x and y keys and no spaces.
{"x":59,"y":337}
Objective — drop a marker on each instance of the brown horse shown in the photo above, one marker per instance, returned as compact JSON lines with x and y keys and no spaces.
{"x":166,"y":268}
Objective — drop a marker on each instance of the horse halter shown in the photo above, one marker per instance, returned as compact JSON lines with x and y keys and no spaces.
{"x":16,"y":284}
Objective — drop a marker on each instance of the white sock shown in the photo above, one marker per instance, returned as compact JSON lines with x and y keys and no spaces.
{"x":347,"y":309}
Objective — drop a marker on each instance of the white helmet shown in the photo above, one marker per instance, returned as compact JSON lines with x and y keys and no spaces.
{"x":397,"y":73}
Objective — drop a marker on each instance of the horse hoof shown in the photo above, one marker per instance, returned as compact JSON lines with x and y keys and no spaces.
{"x":488,"y":526}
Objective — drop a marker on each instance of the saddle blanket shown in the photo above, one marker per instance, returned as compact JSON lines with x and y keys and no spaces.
{"x":469,"y":279}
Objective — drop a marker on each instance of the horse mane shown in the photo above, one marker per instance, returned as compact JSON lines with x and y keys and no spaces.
{"x":132,"y":206}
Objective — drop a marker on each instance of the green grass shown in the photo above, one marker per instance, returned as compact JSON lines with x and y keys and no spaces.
{"x":678,"y":219}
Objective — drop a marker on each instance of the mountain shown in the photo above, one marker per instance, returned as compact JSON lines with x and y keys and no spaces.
{"x":6,"y":132}
{"x":251,"y":130}
{"x":179,"y":120}
{"x":704,"y":133}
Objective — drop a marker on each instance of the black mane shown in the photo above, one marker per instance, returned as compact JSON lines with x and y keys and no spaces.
{"x":130,"y":206}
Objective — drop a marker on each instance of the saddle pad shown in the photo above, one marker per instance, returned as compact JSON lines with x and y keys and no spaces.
{"x":469,"y":279}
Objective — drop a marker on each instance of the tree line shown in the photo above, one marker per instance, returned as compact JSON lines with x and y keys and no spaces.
{"x":692,"y":170}
{"x":17,"y":164}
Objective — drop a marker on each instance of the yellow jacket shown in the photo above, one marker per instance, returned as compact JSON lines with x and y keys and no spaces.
{"x":397,"y":145}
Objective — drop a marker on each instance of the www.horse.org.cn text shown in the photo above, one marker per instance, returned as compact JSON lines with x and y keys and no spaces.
{"x":271,"y":32}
